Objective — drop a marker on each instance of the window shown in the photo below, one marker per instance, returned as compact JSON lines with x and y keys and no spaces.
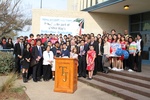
{"x":146,"y":26}
{"x":146,"y":39}
{"x":146,"y":16}
{"x":135,"y":18}
{"x":145,"y":55}
{"x":135,"y":27}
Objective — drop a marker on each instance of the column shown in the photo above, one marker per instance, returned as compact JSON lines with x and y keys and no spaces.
{"x":85,"y":4}
{"x":93,"y":2}
{"x":81,"y":5}
{"x":89,"y":3}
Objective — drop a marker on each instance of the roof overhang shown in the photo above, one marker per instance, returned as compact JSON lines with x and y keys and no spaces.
{"x":117,"y":7}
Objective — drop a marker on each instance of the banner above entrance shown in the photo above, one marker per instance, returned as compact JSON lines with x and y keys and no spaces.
{"x":59,"y":25}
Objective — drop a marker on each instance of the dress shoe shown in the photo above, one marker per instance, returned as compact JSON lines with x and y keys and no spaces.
{"x":53,"y":78}
{"x":84,"y":76}
{"x":39,"y":80}
{"x":34,"y":80}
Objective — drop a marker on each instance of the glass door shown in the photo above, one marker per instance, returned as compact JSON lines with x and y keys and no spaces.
{"x":146,"y":49}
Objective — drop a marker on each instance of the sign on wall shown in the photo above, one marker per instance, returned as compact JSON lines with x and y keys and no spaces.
{"x":58,"y":25}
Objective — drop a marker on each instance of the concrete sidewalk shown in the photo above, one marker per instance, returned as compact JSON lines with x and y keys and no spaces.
{"x":44,"y":91}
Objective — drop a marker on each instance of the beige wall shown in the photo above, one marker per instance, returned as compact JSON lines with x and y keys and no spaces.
{"x":94,"y":22}
{"x":73,"y":5}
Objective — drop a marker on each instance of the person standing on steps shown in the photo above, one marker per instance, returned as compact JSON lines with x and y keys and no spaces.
{"x":139,"y":52}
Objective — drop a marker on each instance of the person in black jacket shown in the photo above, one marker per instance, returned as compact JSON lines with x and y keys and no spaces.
{"x":37,"y":55}
{"x":82,"y":59}
{"x":9,"y":44}
{"x":99,"y":56}
{"x":139,"y":52}
{"x":26,"y":62}
{"x":18,"y":51}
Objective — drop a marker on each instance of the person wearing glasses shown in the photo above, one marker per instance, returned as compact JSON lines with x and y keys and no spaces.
{"x":18,"y":51}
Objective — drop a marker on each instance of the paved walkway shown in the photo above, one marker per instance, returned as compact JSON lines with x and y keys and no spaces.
{"x":44,"y":91}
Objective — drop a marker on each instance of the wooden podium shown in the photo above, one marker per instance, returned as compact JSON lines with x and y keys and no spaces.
{"x":66,"y":75}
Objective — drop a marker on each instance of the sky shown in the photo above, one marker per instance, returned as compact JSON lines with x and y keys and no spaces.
{"x":50,"y":4}
{"x":28,"y":5}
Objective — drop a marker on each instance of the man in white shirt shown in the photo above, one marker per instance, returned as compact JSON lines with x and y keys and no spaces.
{"x":139,"y":52}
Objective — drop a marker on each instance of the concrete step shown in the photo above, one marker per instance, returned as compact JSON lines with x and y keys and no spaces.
{"x":136,"y":75}
{"x":123,"y":85}
{"x":126,"y":79}
{"x":114,"y":90}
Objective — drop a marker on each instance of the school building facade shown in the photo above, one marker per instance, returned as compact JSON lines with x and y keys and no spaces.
{"x":104,"y":15}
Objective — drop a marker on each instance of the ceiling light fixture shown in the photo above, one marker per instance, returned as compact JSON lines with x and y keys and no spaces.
{"x":126,"y":7}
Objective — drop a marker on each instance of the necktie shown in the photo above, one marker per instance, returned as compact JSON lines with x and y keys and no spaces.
{"x":40,"y":52}
{"x":21,"y":46}
{"x":99,"y":49}
{"x":81,"y":50}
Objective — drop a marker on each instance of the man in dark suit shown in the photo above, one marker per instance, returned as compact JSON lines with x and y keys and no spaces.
{"x":95,"y":45}
{"x":37,"y":53}
{"x":99,"y":56}
{"x":18,"y":51}
{"x":82,"y":59}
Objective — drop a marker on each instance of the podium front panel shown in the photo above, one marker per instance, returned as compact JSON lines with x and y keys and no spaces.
{"x":66,"y":75}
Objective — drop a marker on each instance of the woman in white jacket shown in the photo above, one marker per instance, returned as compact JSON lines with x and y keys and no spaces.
{"x":48,"y":58}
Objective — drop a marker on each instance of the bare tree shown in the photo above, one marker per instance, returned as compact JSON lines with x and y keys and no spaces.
{"x":11,"y":17}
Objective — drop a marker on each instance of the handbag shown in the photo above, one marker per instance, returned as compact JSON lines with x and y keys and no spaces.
{"x":33,"y":62}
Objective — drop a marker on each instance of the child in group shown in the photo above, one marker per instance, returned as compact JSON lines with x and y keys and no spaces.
{"x":73,"y":53}
{"x":65,"y":52}
{"x":90,"y":59}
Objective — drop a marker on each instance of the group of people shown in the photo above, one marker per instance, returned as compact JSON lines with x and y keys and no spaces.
{"x":35,"y":56}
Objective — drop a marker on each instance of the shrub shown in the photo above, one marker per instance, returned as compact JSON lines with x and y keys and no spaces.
{"x":6,"y":62}
{"x":9,"y":84}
